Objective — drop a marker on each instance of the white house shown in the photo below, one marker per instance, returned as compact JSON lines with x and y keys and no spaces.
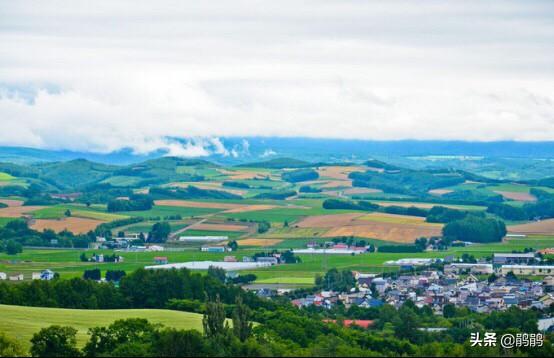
{"x":3,"y":276}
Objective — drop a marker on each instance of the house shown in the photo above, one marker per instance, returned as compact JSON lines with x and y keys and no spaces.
{"x":364,"y":323}
{"x":474,"y":268}
{"x":340,"y":247}
{"x":35,"y":276}
{"x":514,"y":259}
{"x":3,"y":276}
{"x":213,"y":249}
{"x":247,"y":259}
{"x":153,"y":248}
{"x":161,"y":260}
{"x":230,"y":259}
{"x":47,"y":275}
{"x":528,"y":270}
{"x":98,"y":258}
{"x":16,"y":277}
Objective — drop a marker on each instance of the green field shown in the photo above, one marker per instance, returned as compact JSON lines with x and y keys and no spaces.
{"x":6,"y":177}
{"x":4,"y":221}
{"x":67,"y":263}
{"x":161,"y":211}
{"x":230,"y":234}
{"x":58,"y":211}
{"x":22,"y":322}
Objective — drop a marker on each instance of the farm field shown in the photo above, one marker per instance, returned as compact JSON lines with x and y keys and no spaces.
{"x":162,"y":211}
{"x":425,"y":205}
{"x":537,"y":227}
{"x":387,"y":227}
{"x":22,"y":322}
{"x":67,"y":263}
{"x":18,"y":211}
{"x":58,"y":212}
{"x":74,"y":224}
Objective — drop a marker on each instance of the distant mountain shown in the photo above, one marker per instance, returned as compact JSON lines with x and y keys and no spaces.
{"x":278,"y":163}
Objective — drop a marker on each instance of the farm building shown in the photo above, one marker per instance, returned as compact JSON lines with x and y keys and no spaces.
{"x":213,"y":249}
{"x":270,"y":259}
{"x":230,"y":259}
{"x":531,"y":270}
{"x":3,"y":276}
{"x":204,"y":265}
{"x":514,"y":259}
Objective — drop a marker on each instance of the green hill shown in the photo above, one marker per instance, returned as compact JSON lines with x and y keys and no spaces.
{"x":22,"y":322}
{"x":278,"y":163}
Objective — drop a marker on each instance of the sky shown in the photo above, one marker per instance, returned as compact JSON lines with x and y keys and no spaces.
{"x":104,"y":75}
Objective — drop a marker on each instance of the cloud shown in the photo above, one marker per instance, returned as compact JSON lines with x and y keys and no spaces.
{"x":268,"y":153}
{"x":70,"y":78}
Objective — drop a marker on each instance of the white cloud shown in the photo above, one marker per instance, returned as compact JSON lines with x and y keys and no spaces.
{"x":127,"y":76}
{"x":268,"y":153}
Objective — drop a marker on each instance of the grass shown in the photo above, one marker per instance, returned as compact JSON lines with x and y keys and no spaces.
{"x":4,"y":221}
{"x":67,"y":263}
{"x":230,"y":234}
{"x":6,"y":177}
{"x":291,"y":233}
{"x":22,"y":322}
{"x":58,"y":212}
{"x":396,"y":219}
{"x":122,"y":180}
{"x":161,"y":211}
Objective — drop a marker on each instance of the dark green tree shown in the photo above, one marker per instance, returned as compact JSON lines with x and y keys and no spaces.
{"x":242,"y":327}
{"x":160,"y":232}
{"x":13,"y":247}
{"x":55,"y":341}
{"x":214,"y":319}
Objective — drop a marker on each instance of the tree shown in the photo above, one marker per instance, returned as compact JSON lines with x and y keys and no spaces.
{"x":178,"y":343}
{"x":83,"y":257}
{"x":93,"y":274}
{"x":114,"y":275}
{"x":214,"y":319}
{"x":13,"y":247}
{"x":160,"y":232}
{"x":242,"y":327}
{"x":233,"y":245}
{"x":218,"y":273}
{"x":67,"y":213}
{"x":9,"y":347}
{"x":406,"y":324}
{"x":263,"y":226}
{"x":123,"y":338}
{"x":449,"y":310}
{"x":55,"y":341}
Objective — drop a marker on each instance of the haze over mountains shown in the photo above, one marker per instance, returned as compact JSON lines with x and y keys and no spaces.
{"x":497,"y":160}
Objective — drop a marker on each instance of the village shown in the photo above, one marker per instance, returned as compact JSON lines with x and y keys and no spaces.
{"x":482,"y":287}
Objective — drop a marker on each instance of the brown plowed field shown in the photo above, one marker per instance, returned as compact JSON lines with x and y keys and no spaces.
{"x":18,"y":211}
{"x":246,"y":208}
{"x":380,"y":226}
{"x":12,"y":202}
{"x":73,"y":224}
{"x":339,"y":172}
{"x":259,"y":242}
{"x":329,"y":221}
{"x":538,"y":227}
{"x":220,"y":227}
{"x":514,"y":195}
{"x":404,"y":233}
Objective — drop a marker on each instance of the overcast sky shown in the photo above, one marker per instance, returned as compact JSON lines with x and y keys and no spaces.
{"x":102,"y":75}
